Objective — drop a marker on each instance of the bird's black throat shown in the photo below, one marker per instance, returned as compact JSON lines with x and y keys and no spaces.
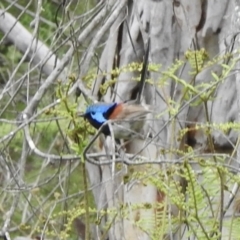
{"x":105,"y":129}
{"x":96,"y":124}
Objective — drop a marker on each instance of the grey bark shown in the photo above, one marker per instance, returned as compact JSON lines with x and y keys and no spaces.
{"x":25,"y":42}
{"x":173,"y":28}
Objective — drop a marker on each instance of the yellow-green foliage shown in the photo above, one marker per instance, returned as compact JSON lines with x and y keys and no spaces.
{"x":196,"y":60}
{"x":195,"y":200}
{"x":192,"y":200}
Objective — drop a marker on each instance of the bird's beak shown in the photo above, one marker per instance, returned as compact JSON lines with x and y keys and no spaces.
{"x":81,"y":114}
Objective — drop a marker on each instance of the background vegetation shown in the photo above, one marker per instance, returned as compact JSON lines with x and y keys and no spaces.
{"x":46,"y":190}
{"x":39,"y":193}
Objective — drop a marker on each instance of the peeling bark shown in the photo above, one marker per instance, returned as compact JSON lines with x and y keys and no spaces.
{"x":174,"y":27}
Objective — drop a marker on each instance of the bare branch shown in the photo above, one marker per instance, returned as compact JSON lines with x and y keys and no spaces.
{"x":15,"y":32}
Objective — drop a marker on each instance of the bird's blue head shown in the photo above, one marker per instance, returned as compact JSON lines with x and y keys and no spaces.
{"x":97,"y":114}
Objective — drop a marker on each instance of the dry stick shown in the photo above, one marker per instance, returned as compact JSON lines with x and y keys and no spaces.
{"x":31,"y":44}
{"x":34,"y":38}
{"x":85,"y":62}
{"x":35,"y":100}
{"x":32,"y":14}
{"x":40,"y":153}
{"x":113,"y":146}
{"x":3,"y":14}
{"x":33,"y":47}
{"x":22,"y":59}
{"x":43,"y":69}
{"x":195,"y":203}
{"x":43,"y":202}
{"x":31,"y":119}
{"x":16,"y":195}
{"x":221,"y":215}
{"x":37,"y":183}
{"x":89,"y":157}
{"x":43,"y":56}
{"x":220,"y":173}
{"x":144,"y":72}
{"x":33,"y":104}
{"x":33,"y":147}
{"x":22,"y":166}
{"x":10,"y":213}
{"x":235,"y":188}
{"x":31,"y":186}
{"x":180,"y":110}
{"x":87,"y":215}
{"x":21,"y":80}
{"x":12,"y":133}
{"x":42,"y":62}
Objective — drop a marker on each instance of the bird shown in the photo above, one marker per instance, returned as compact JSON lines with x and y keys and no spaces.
{"x":127,"y":119}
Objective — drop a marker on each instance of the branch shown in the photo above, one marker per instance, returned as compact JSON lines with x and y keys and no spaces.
{"x":38,"y":152}
{"x":65,"y":60}
{"x":24,"y":41}
{"x":91,"y":49}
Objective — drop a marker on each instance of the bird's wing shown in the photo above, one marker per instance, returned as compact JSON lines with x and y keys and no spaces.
{"x":98,"y":117}
{"x":132,"y":112}
{"x":116,"y":111}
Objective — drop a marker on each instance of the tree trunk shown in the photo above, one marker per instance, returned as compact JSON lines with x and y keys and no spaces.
{"x":173,"y":27}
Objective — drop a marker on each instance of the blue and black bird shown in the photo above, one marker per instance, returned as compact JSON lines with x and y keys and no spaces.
{"x":127,"y":119}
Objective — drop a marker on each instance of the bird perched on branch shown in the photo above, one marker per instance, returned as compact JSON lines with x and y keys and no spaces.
{"x":126,"y":119}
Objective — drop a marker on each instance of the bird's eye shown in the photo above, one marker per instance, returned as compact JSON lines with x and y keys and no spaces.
{"x":92,"y":114}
